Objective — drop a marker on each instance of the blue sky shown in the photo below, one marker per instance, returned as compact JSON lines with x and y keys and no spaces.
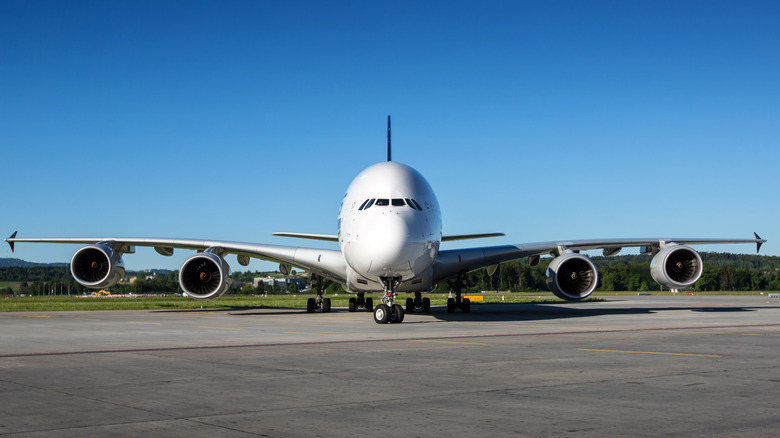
{"x":232,"y":120}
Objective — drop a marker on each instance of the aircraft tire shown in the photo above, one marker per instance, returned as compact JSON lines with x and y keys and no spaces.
{"x":426,"y":305}
{"x":450,"y":305}
{"x":399,"y":314}
{"x":382,"y":314}
{"x":326,"y":305}
{"x":369,"y":304}
{"x":352,"y":304}
{"x":466,"y":305}
{"x":410,"y":304}
{"x":311,"y":305}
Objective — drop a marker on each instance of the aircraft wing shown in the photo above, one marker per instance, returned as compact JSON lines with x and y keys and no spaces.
{"x":326,"y":263}
{"x":451,"y":262}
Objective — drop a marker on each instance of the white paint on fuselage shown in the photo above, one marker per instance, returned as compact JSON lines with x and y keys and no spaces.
{"x":387,"y":240}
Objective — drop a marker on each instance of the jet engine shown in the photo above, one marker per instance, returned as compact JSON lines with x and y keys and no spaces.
{"x":676,"y":267}
{"x":572,"y":276}
{"x":205,"y":276}
{"x":97,"y":266}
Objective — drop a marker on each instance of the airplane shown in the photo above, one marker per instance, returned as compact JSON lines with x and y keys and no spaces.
{"x":389,"y":234}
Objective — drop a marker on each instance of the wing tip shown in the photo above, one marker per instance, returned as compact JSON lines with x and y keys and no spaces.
{"x":759,"y":241}
{"x":11,"y":241}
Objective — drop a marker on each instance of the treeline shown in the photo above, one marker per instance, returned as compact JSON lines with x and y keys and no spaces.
{"x":722,"y":272}
{"x":56,"y":280}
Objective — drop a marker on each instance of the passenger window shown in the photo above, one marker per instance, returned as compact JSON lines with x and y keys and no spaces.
{"x":382,"y":202}
{"x":398,"y":202}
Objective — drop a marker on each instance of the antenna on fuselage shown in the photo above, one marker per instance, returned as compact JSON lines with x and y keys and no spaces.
{"x":388,"y":139}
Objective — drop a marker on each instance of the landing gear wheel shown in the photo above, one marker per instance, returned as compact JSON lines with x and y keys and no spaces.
{"x":398,"y":315}
{"x":369,"y":304}
{"x":311,"y":305}
{"x":450,"y":305}
{"x":466,"y":306}
{"x":352,"y":304}
{"x":382,"y":314}
{"x":326,"y":305}
{"x":410,"y":304}
{"x":426,"y":305}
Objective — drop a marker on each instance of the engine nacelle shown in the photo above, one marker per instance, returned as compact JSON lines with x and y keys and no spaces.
{"x":572,"y":277}
{"x":97,"y":266}
{"x":205,"y":276}
{"x":676,"y":267}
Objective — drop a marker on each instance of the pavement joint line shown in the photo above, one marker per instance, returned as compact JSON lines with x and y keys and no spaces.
{"x":316,"y":334}
{"x":219,"y":328}
{"x":647,"y":352}
{"x":396,"y":339}
{"x":448,"y":342}
{"x":727,"y":333}
{"x":144,"y":322}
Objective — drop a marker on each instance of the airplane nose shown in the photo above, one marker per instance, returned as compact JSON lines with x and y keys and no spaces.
{"x":387,"y":248}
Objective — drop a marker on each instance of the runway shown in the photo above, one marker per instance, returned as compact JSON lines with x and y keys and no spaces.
{"x":629,"y":366}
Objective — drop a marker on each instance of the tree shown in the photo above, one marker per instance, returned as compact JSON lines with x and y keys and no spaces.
{"x":709,"y":280}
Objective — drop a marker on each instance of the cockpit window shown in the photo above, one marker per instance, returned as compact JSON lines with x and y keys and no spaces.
{"x":367,"y":203}
{"x":395,"y":202}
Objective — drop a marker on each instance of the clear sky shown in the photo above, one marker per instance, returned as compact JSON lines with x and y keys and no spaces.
{"x":234,"y":119}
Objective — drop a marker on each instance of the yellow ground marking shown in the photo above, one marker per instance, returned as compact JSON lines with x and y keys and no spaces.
{"x":317,"y":334}
{"x":448,"y":342}
{"x":220,"y":328}
{"x":142,"y":322}
{"x":648,"y":352}
{"x":35,"y":316}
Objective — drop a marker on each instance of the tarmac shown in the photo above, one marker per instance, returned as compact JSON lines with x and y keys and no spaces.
{"x":685,"y":366}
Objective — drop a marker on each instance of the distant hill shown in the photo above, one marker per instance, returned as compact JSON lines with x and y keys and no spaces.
{"x":19,"y":263}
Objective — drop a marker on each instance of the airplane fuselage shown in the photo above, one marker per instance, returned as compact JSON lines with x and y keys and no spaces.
{"x":389,"y":228}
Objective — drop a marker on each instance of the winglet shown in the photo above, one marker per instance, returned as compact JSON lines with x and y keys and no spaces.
{"x":759,"y":241}
{"x":10,"y":242}
{"x":388,"y":139}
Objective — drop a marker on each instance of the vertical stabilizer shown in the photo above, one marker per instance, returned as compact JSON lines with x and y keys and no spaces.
{"x":389,"y":157}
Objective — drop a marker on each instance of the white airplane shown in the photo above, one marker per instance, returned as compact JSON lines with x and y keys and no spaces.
{"x":390,"y":232}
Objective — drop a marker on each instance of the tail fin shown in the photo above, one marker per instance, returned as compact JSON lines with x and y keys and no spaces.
{"x":389,"y":158}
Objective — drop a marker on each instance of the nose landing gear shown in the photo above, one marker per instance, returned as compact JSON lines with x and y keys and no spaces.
{"x":387,"y":311}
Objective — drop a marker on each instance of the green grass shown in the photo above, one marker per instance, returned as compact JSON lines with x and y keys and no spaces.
{"x":74,"y":303}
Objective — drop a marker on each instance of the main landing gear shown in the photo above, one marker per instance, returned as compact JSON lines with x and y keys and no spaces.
{"x":319,"y":303}
{"x":361,"y":303}
{"x":418,"y":303}
{"x":464,"y":304}
{"x":387,"y":311}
